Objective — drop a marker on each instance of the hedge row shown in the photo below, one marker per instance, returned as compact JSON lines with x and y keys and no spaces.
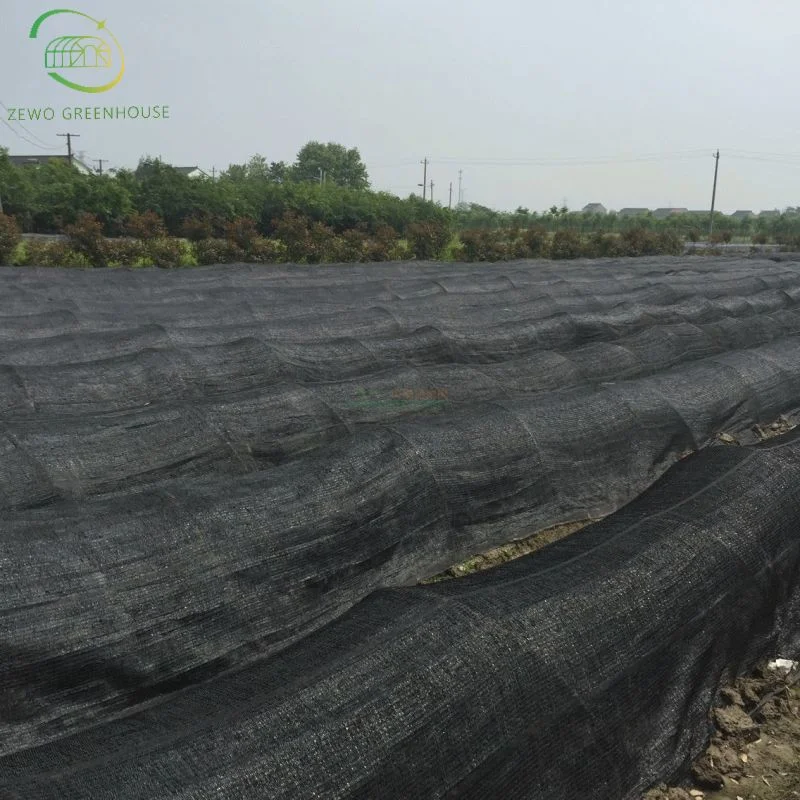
{"x":297,"y":239}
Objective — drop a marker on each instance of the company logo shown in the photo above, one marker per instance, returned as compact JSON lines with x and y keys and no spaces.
{"x":81,"y":52}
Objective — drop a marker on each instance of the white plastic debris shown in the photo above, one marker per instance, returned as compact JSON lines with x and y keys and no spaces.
{"x":782,"y":665}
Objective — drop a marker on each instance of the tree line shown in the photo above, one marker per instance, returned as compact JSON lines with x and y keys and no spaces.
{"x":328,"y":183}
{"x":782,"y":228}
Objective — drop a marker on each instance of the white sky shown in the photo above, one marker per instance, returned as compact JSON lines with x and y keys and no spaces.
{"x":459,"y":82}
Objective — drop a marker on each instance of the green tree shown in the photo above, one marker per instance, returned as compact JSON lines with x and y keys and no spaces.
{"x":341,"y":166}
{"x":16,"y":191}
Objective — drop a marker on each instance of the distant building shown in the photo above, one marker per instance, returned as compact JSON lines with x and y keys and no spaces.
{"x":742,"y":215}
{"x":633,"y":212}
{"x":595,"y":208}
{"x":701,"y":212}
{"x":769,"y":214}
{"x":663,"y":213}
{"x":38,"y":161}
{"x":192,"y":172}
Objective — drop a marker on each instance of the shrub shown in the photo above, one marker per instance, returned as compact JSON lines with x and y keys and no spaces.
{"x":759,"y":238}
{"x":165,"y":252}
{"x":384,"y":245}
{"x":10,"y":237}
{"x":636,"y":242}
{"x":600,"y":245}
{"x":217,"y":251}
{"x":86,"y":239}
{"x":266,"y":251}
{"x":642,"y":242}
{"x":483,"y":245}
{"x":428,"y":239}
{"x":670,"y":243}
{"x":52,"y":254}
{"x":123,"y":252}
{"x":351,"y":247}
{"x":789,"y":241}
{"x":146,"y":227}
{"x":322,"y":244}
{"x":566,"y":244}
{"x":36,"y":254}
{"x":537,"y":241}
{"x":242,"y":232}
{"x":197,"y":228}
{"x":293,"y":231}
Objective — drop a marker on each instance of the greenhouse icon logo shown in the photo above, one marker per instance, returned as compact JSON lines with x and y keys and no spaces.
{"x":89,"y":53}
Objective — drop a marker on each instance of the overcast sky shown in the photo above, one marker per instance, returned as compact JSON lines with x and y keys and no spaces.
{"x":507,"y":83}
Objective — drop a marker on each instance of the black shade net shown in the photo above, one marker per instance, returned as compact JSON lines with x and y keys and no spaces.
{"x":210,"y":470}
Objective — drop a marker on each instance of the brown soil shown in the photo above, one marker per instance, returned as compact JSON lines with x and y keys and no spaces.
{"x":755,"y":751}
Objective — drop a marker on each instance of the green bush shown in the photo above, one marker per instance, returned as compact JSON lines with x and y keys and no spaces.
{"x":10,"y":237}
{"x":52,"y":254}
{"x":123,"y":252}
{"x":759,"y":238}
{"x":266,"y":251}
{"x":670,"y":243}
{"x":642,"y":242}
{"x":217,"y":251}
{"x":86,"y":239}
{"x":600,"y":245}
{"x":484,"y":245}
{"x":428,"y":239}
{"x":323,"y":244}
{"x":789,"y":242}
{"x":537,"y":241}
{"x":384,"y":245}
{"x":566,"y":244}
{"x":352,"y":247}
{"x":166,"y":252}
{"x":293,"y":231}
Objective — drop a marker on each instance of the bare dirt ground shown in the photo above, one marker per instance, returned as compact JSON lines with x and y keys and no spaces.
{"x":755,"y":751}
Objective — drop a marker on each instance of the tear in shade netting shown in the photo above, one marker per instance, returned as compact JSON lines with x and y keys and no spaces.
{"x":212,"y":469}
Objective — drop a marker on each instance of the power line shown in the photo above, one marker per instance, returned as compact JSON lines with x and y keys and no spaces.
{"x":30,"y":133}
{"x":25,"y":138}
{"x":571,"y":160}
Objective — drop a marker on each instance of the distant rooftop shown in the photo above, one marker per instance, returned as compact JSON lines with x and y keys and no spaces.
{"x":39,"y":160}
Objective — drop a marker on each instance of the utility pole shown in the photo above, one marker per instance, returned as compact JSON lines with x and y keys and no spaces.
{"x":450,"y":201}
{"x":431,"y":191}
{"x":69,"y":137}
{"x":714,"y":195}
{"x":460,"y":193}
{"x":321,"y":175}
{"x":213,"y":173}
{"x":100,"y":161}
{"x":424,"y":183}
